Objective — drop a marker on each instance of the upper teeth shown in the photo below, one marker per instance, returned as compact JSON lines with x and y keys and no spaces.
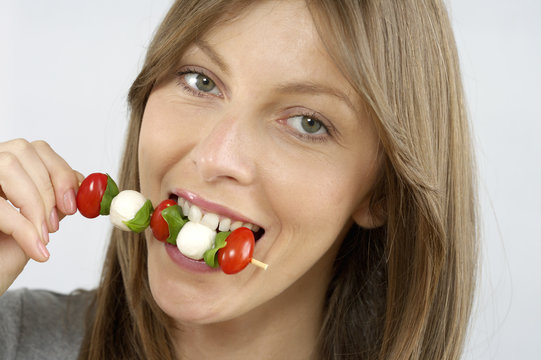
{"x":211,"y":220}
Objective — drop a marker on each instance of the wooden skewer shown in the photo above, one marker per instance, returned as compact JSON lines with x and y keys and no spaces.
{"x":259,"y":264}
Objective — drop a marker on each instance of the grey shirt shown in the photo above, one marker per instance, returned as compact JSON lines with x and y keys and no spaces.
{"x":39,"y":324}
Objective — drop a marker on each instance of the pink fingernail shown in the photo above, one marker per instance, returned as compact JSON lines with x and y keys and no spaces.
{"x":45,"y":233}
{"x":43,"y":250}
{"x":54,"y":219}
{"x":69,"y":202}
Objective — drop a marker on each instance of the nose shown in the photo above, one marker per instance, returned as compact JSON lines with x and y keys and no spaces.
{"x":224,"y":152}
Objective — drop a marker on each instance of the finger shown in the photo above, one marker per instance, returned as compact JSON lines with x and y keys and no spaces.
{"x":80,"y":178}
{"x":39,"y":174}
{"x":22,"y":192}
{"x":65,"y":180}
{"x":13,"y":261}
{"x":14,"y":224}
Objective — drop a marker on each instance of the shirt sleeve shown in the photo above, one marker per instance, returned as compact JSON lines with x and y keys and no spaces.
{"x":40,"y":324}
{"x":10,"y":323}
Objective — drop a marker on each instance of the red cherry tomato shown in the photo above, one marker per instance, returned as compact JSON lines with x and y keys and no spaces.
{"x":158,"y":225}
{"x":90,"y":194}
{"x":238,"y":252}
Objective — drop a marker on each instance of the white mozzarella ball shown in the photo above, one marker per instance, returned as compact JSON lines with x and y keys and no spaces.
{"x":124,"y":207}
{"x":194,"y":239}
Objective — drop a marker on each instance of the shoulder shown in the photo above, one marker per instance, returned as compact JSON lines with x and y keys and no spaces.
{"x":36,"y":321}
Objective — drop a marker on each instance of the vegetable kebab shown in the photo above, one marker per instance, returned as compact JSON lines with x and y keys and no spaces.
{"x":129,"y":210}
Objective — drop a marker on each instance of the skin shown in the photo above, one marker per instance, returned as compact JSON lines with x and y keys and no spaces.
{"x":38,"y":182}
{"x":240,"y":146}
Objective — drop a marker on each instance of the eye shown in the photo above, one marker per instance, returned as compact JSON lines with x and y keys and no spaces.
{"x":307,"y":125}
{"x":199,"y":83}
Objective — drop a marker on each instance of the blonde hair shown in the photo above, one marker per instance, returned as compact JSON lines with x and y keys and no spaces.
{"x":402,"y":291}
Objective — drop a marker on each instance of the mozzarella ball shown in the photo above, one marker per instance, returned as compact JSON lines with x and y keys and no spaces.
{"x":124,"y":207}
{"x":194,"y":239}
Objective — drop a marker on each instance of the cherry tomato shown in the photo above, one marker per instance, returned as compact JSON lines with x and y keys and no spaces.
{"x":158,"y":225}
{"x":90,"y":194}
{"x":237,"y":254}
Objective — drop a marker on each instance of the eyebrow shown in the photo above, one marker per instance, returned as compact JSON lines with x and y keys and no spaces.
{"x":288,"y":88}
{"x":213,"y":55}
{"x":315,"y":89}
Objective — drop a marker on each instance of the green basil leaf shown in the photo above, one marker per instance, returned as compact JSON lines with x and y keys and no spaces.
{"x":111,"y":190}
{"x":142,"y":218}
{"x":175,"y":221}
{"x":211,"y":255}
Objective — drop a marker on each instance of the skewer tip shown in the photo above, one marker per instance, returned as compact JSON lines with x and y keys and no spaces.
{"x":260,"y":264}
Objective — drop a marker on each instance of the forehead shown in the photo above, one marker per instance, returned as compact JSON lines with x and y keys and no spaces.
{"x":278,"y":37}
{"x":289,"y":21}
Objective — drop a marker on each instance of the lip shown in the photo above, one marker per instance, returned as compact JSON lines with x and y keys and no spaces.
{"x":199,"y":266}
{"x":209,"y":206}
{"x":186,"y":263}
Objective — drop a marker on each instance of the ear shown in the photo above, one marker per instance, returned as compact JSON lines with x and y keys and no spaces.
{"x":369,"y":217}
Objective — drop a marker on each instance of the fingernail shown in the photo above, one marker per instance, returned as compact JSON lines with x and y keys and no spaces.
{"x":69,"y":202}
{"x":45,"y":233}
{"x":43,"y":250}
{"x":54,"y":219}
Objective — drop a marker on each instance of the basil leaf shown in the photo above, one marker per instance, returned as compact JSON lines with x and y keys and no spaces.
{"x":111,"y":190}
{"x":142,"y":218}
{"x":211,"y":255}
{"x":175,"y":221}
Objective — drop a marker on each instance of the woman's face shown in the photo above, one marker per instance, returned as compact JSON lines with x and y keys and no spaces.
{"x":257,"y":125}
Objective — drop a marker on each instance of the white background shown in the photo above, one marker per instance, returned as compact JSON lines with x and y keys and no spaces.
{"x":66,"y":66}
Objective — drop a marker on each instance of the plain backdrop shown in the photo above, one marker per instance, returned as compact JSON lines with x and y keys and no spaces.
{"x":66,"y":66}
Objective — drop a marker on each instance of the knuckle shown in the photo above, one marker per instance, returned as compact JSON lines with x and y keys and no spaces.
{"x":7,"y":159}
{"x":63,"y":182}
{"x":40,"y":144}
{"x":48,"y":193}
{"x":46,"y":189}
{"x":19,"y":145}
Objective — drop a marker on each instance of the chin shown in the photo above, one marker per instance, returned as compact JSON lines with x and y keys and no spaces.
{"x":192,"y":305}
{"x":185,"y":297}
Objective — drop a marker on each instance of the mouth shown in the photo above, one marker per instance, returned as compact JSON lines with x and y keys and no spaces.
{"x":213,"y":220}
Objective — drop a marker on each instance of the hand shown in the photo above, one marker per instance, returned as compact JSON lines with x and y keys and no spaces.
{"x":41,"y":188}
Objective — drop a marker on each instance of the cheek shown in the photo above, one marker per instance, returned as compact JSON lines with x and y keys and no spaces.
{"x":315,"y":190}
{"x":315,"y":197}
{"x":313,"y":203}
{"x":148,"y":139}
{"x":145,"y":158}
{"x":161,"y":142}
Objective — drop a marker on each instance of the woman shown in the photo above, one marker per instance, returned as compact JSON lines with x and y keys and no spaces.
{"x":338,"y":127}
